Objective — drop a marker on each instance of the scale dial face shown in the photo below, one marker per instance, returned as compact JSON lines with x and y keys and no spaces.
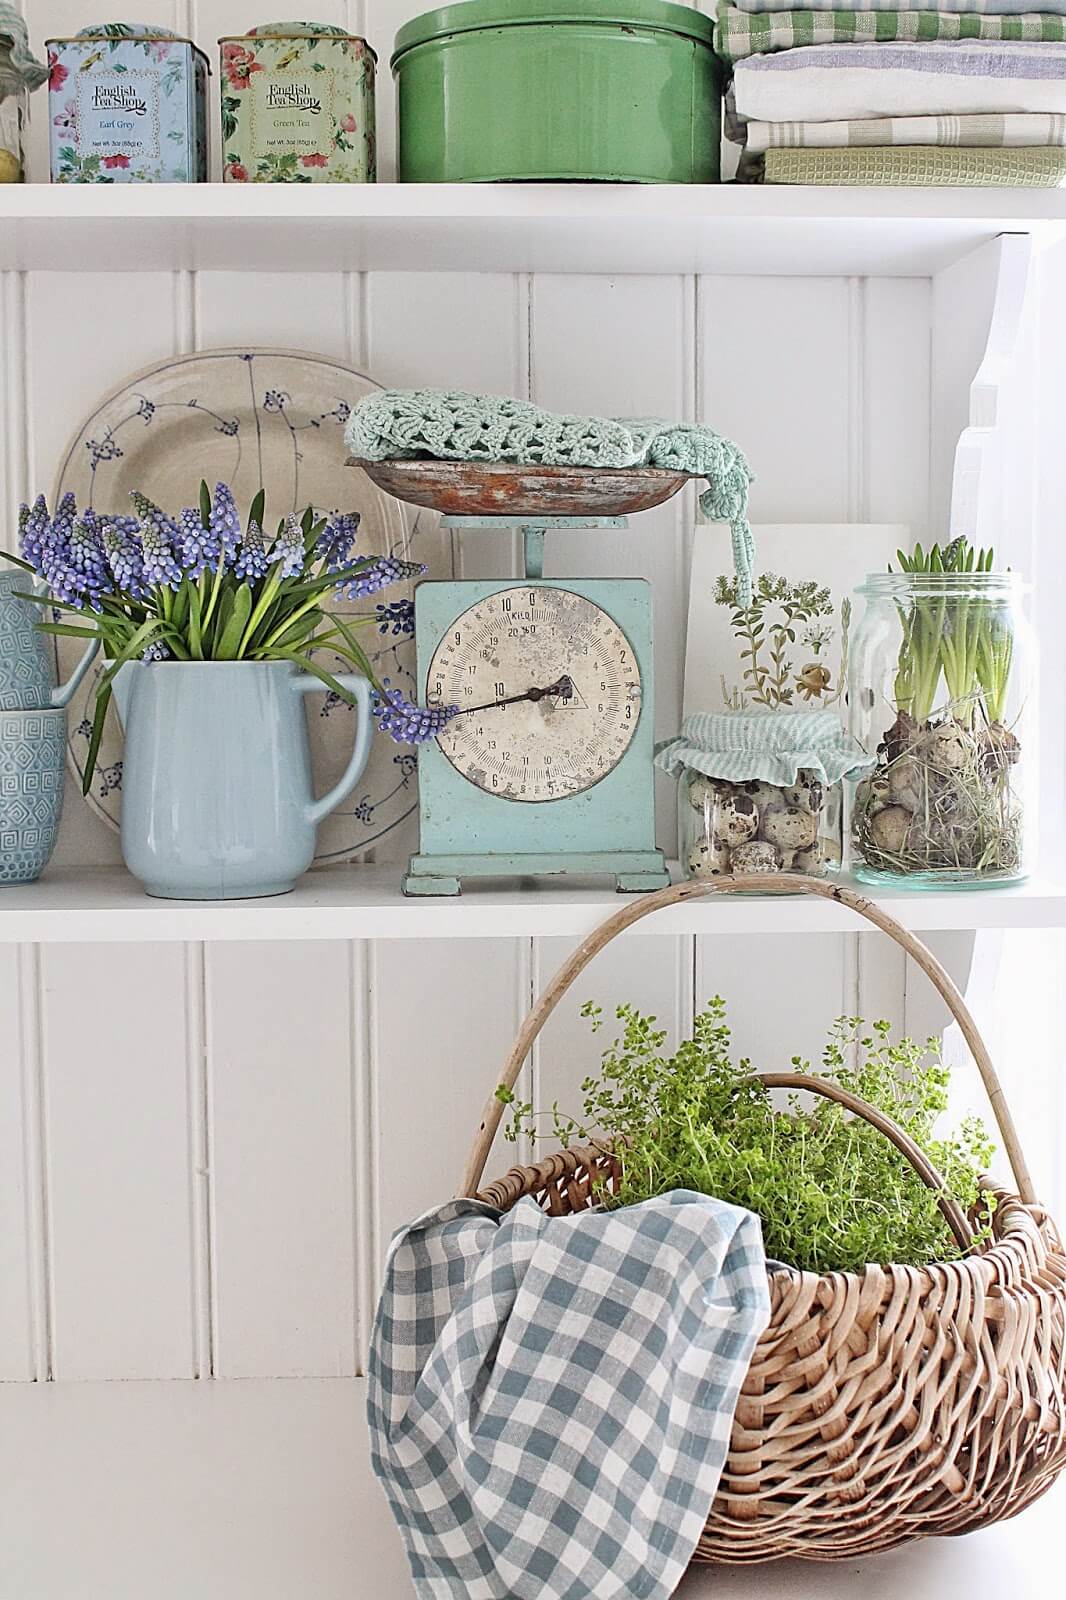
{"x":530,"y":638}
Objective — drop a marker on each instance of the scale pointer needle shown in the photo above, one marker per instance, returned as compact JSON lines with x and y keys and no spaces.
{"x":561,"y":689}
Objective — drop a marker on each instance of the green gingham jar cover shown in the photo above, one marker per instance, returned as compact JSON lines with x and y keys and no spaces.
{"x":13,"y":31}
{"x":772,"y":746}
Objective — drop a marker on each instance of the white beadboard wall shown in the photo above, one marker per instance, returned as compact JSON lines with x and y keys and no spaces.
{"x":203,"y":1150}
{"x":195,"y":1181}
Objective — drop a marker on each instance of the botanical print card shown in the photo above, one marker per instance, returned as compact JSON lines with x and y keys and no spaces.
{"x":789,"y":648}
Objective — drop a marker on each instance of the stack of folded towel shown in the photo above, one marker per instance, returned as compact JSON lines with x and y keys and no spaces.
{"x":844,"y":92}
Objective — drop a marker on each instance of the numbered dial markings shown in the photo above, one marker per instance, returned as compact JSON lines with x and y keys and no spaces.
{"x":521,"y":642}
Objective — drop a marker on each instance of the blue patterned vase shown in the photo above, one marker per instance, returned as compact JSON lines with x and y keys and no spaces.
{"x":27,"y":671}
{"x":33,"y":749}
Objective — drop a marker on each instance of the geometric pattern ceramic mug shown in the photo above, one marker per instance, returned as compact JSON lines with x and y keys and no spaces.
{"x":33,"y":747}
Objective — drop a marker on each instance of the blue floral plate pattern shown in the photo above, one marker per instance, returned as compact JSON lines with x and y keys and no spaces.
{"x":272,"y":419}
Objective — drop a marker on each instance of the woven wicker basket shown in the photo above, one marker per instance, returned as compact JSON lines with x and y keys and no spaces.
{"x":880,"y":1406}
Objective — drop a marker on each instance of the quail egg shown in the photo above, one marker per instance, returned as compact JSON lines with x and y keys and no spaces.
{"x":736,"y":819}
{"x":708,"y":858}
{"x":755,"y":856}
{"x":791,"y":830}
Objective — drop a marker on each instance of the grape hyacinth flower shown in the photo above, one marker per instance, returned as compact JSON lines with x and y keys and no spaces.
{"x":195,"y":544}
{"x":398,"y":617}
{"x":407,"y":723}
{"x":337,"y":541}
{"x":86,"y":557}
{"x":252,"y":561}
{"x":386,"y":570}
{"x":35,"y":531}
{"x":158,"y":535}
{"x":225,"y":526}
{"x":288,"y":548}
{"x":140,"y":584}
{"x":123,"y":555}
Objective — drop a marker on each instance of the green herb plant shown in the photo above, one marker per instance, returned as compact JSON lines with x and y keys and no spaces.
{"x":832,"y":1192}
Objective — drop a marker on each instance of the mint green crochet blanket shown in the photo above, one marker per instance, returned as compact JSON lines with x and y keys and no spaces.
{"x":406,"y":424}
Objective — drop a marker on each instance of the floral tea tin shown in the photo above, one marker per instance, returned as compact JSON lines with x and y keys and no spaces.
{"x":298,"y":105}
{"x":128,"y":104}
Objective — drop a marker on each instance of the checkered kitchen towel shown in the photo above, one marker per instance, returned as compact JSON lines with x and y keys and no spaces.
{"x":739,"y":34}
{"x":551,"y":1398}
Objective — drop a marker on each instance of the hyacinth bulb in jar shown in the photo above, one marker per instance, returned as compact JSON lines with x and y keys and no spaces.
{"x":940,"y":688}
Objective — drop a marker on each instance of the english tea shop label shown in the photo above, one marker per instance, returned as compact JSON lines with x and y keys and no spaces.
{"x":119,"y":112}
{"x":292,"y":112}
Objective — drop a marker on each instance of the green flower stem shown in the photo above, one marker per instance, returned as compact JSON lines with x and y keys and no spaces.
{"x":309,"y":605}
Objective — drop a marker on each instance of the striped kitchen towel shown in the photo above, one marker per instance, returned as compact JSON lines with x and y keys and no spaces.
{"x":550,"y":1399}
{"x":920,"y":167}
{"x":739,"y":34}
{"x":838,"y":83}
{"x":993,"y":8}
{"x":1002,"y":132}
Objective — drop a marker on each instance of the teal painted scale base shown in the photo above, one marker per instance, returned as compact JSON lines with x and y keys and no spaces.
{"x":548,"y":771}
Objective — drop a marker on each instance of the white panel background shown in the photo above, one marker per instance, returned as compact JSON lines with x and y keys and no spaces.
{"x":220,"y":1217}
{"x":203,"y":1152}
{"x":208,"y":1190}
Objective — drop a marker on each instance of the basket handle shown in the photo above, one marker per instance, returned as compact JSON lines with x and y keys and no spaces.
{"x":950,"y":1209}
{"x":755,"y":883}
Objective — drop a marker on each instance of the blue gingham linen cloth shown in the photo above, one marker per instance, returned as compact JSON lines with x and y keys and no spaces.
{"x":551,"y":1398}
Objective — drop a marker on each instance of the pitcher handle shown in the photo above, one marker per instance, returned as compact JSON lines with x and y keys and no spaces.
{"x":306,"y":683}
{"x":65,"y":693}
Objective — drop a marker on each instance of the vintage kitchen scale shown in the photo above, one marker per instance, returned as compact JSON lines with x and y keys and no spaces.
{"x":548,"y":766}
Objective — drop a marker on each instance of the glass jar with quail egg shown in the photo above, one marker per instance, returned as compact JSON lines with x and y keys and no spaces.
{"x":755,"y":826}
{"x":760,"y":792}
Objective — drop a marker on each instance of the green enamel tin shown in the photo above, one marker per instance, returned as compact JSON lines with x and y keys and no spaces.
{"x":297,"y":105}
{"x":609,"y":90}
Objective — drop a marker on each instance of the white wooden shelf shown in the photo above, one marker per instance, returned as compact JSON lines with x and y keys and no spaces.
{"x":105,"y":905}
{"x":616,"y":228}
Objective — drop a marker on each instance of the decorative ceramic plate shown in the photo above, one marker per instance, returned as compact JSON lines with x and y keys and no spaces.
{"x":272,"y":419}
{"x":497,"y":489}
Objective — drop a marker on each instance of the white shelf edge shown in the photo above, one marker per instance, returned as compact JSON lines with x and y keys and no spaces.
{"x":620,"y":228}
{"x":105,"y":905}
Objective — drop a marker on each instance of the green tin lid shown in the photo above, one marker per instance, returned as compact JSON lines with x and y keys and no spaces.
{"x":470,"y":15}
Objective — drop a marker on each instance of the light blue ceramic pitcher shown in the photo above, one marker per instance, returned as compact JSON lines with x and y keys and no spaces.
{"x":217,"y":798}
{"x":27,"y":673}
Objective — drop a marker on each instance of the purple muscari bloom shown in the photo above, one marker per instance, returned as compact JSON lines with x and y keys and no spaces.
{"x":225,"y":526}
{"x":159,"y":533}
{"x":407,"y":723}
{"x":156,"y":652}
{"x":337,"y":541}
{"x":252,"y":561}
{"x":372,"y":579}
{"x":196,"y":544}
{"x":35,"y":531}
{"x":148,"y":512}
{"x":123,"y":553}
{"x":288,"y":549}
{"x":75,"y":567}
{"x":398,"y":617}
